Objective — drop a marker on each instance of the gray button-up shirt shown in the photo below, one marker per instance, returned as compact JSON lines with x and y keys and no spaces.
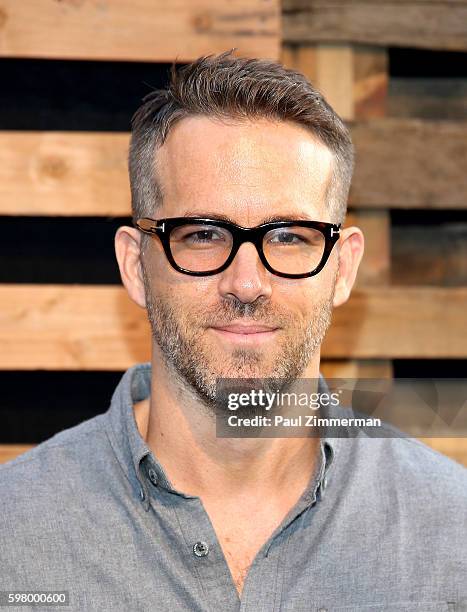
{"x":382,"y":526}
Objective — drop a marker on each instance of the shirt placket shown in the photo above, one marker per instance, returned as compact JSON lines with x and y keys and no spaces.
{"x":204,"y":555}
{"x":264,"y":583}
{"x":262,"y":591}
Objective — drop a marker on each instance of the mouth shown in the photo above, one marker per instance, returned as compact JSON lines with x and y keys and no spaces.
{"x":244,"y":334}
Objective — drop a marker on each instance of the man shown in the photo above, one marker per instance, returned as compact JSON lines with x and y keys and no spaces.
{"x":145,"y":507}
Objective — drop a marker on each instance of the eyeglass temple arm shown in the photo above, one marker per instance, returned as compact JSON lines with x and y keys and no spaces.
{"x":153,"y":227}
{"x":149,"y":226}
{"x":336,"y":230}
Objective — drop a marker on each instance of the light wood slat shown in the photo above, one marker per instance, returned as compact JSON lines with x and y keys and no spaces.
{"x":409,"y":23}
{"x":410,"y":163}
{"x":64,"y":173}
{"x":353,"y":78}
{"x":144,"y":30}
{"x":371,"y":81}
{"x":68,"y":327}
{"x":10,"y":451}
{"x":98,"y":328}
{"x":335,"y":77}
{"x":330,"y":69}
{"x":456,"y":448}
{"x":300,"y":57}
{"x":356,"y":368}
{"x":401,"y":163}
{"x":393,"y":322}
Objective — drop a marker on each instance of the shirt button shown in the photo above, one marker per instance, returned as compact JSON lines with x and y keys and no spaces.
{"x":200,"y":549}
{"x":323,"y":610}
{"x":152,"y":476}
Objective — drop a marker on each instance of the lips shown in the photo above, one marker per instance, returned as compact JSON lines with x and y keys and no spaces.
{"x":245,"y":329}
{"x":244,"y":335}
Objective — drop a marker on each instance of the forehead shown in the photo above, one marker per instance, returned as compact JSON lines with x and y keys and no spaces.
{"x":247,"y":170}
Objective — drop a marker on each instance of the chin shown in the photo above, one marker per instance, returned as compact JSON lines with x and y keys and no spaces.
{"x":236,"y":370}
{"x":242,"y":362}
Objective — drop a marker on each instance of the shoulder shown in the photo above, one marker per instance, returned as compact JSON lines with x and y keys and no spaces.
{"x":408,"y":498}
{"x":43,"y":469}
{"x":417,"y":477}
{"x":393,"y":462}
{"x":421,"y":466}
{"x":50,"y":497}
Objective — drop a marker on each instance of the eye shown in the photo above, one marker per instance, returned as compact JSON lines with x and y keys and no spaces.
{"x":205,"y":235}
{"x":295,"y":236}
{"x":199,"y":235}
{"x":286,"y":237}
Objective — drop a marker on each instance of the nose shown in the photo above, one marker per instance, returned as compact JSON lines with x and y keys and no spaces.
{"x":246,"y":278}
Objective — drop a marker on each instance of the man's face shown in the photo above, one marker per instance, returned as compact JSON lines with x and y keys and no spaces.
{"x":247,"y":171}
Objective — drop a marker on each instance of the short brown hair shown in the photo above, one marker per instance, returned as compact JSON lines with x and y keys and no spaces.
{"x":224,"y":86}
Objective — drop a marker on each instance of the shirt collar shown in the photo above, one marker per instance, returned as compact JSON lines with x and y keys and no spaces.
{"x":136,"y":458}
{"x":125,"y":438}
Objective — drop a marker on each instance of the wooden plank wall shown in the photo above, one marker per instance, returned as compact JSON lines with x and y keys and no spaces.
{"x":411,"y":146}
{"x":403,"y":162}
{"x":75,"y":173}
{"x":158,"y":30}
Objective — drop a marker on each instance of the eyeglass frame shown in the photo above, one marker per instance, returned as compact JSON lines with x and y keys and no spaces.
{"x":163,"y":228}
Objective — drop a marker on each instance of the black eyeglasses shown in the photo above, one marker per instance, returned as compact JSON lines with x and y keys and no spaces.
{"x":201,"y":247}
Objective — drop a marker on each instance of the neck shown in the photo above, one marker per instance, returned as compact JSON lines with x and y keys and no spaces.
{"x":182,"y":435}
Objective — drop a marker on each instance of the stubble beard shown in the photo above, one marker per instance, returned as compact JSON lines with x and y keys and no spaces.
{"x":193,"y":362}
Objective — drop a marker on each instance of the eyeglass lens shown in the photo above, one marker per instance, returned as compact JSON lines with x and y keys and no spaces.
{"x":290,"y":250}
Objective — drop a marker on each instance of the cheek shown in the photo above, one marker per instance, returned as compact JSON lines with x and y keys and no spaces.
{"x":190,"y":296}
{"x":203,"y":288}
{"x":193,"y":297}
{"x":155,"y":262}
{"x":301,"y":296}
{"x":167,"y":281}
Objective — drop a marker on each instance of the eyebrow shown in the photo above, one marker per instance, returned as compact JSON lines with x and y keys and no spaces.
{"x":205,"y":215}
{"x":268,"y":219}
{"x":291,"y":217}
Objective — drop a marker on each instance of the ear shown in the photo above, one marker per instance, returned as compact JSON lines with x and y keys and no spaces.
{"x":351,"y":246}
{"x":127,"y":250}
